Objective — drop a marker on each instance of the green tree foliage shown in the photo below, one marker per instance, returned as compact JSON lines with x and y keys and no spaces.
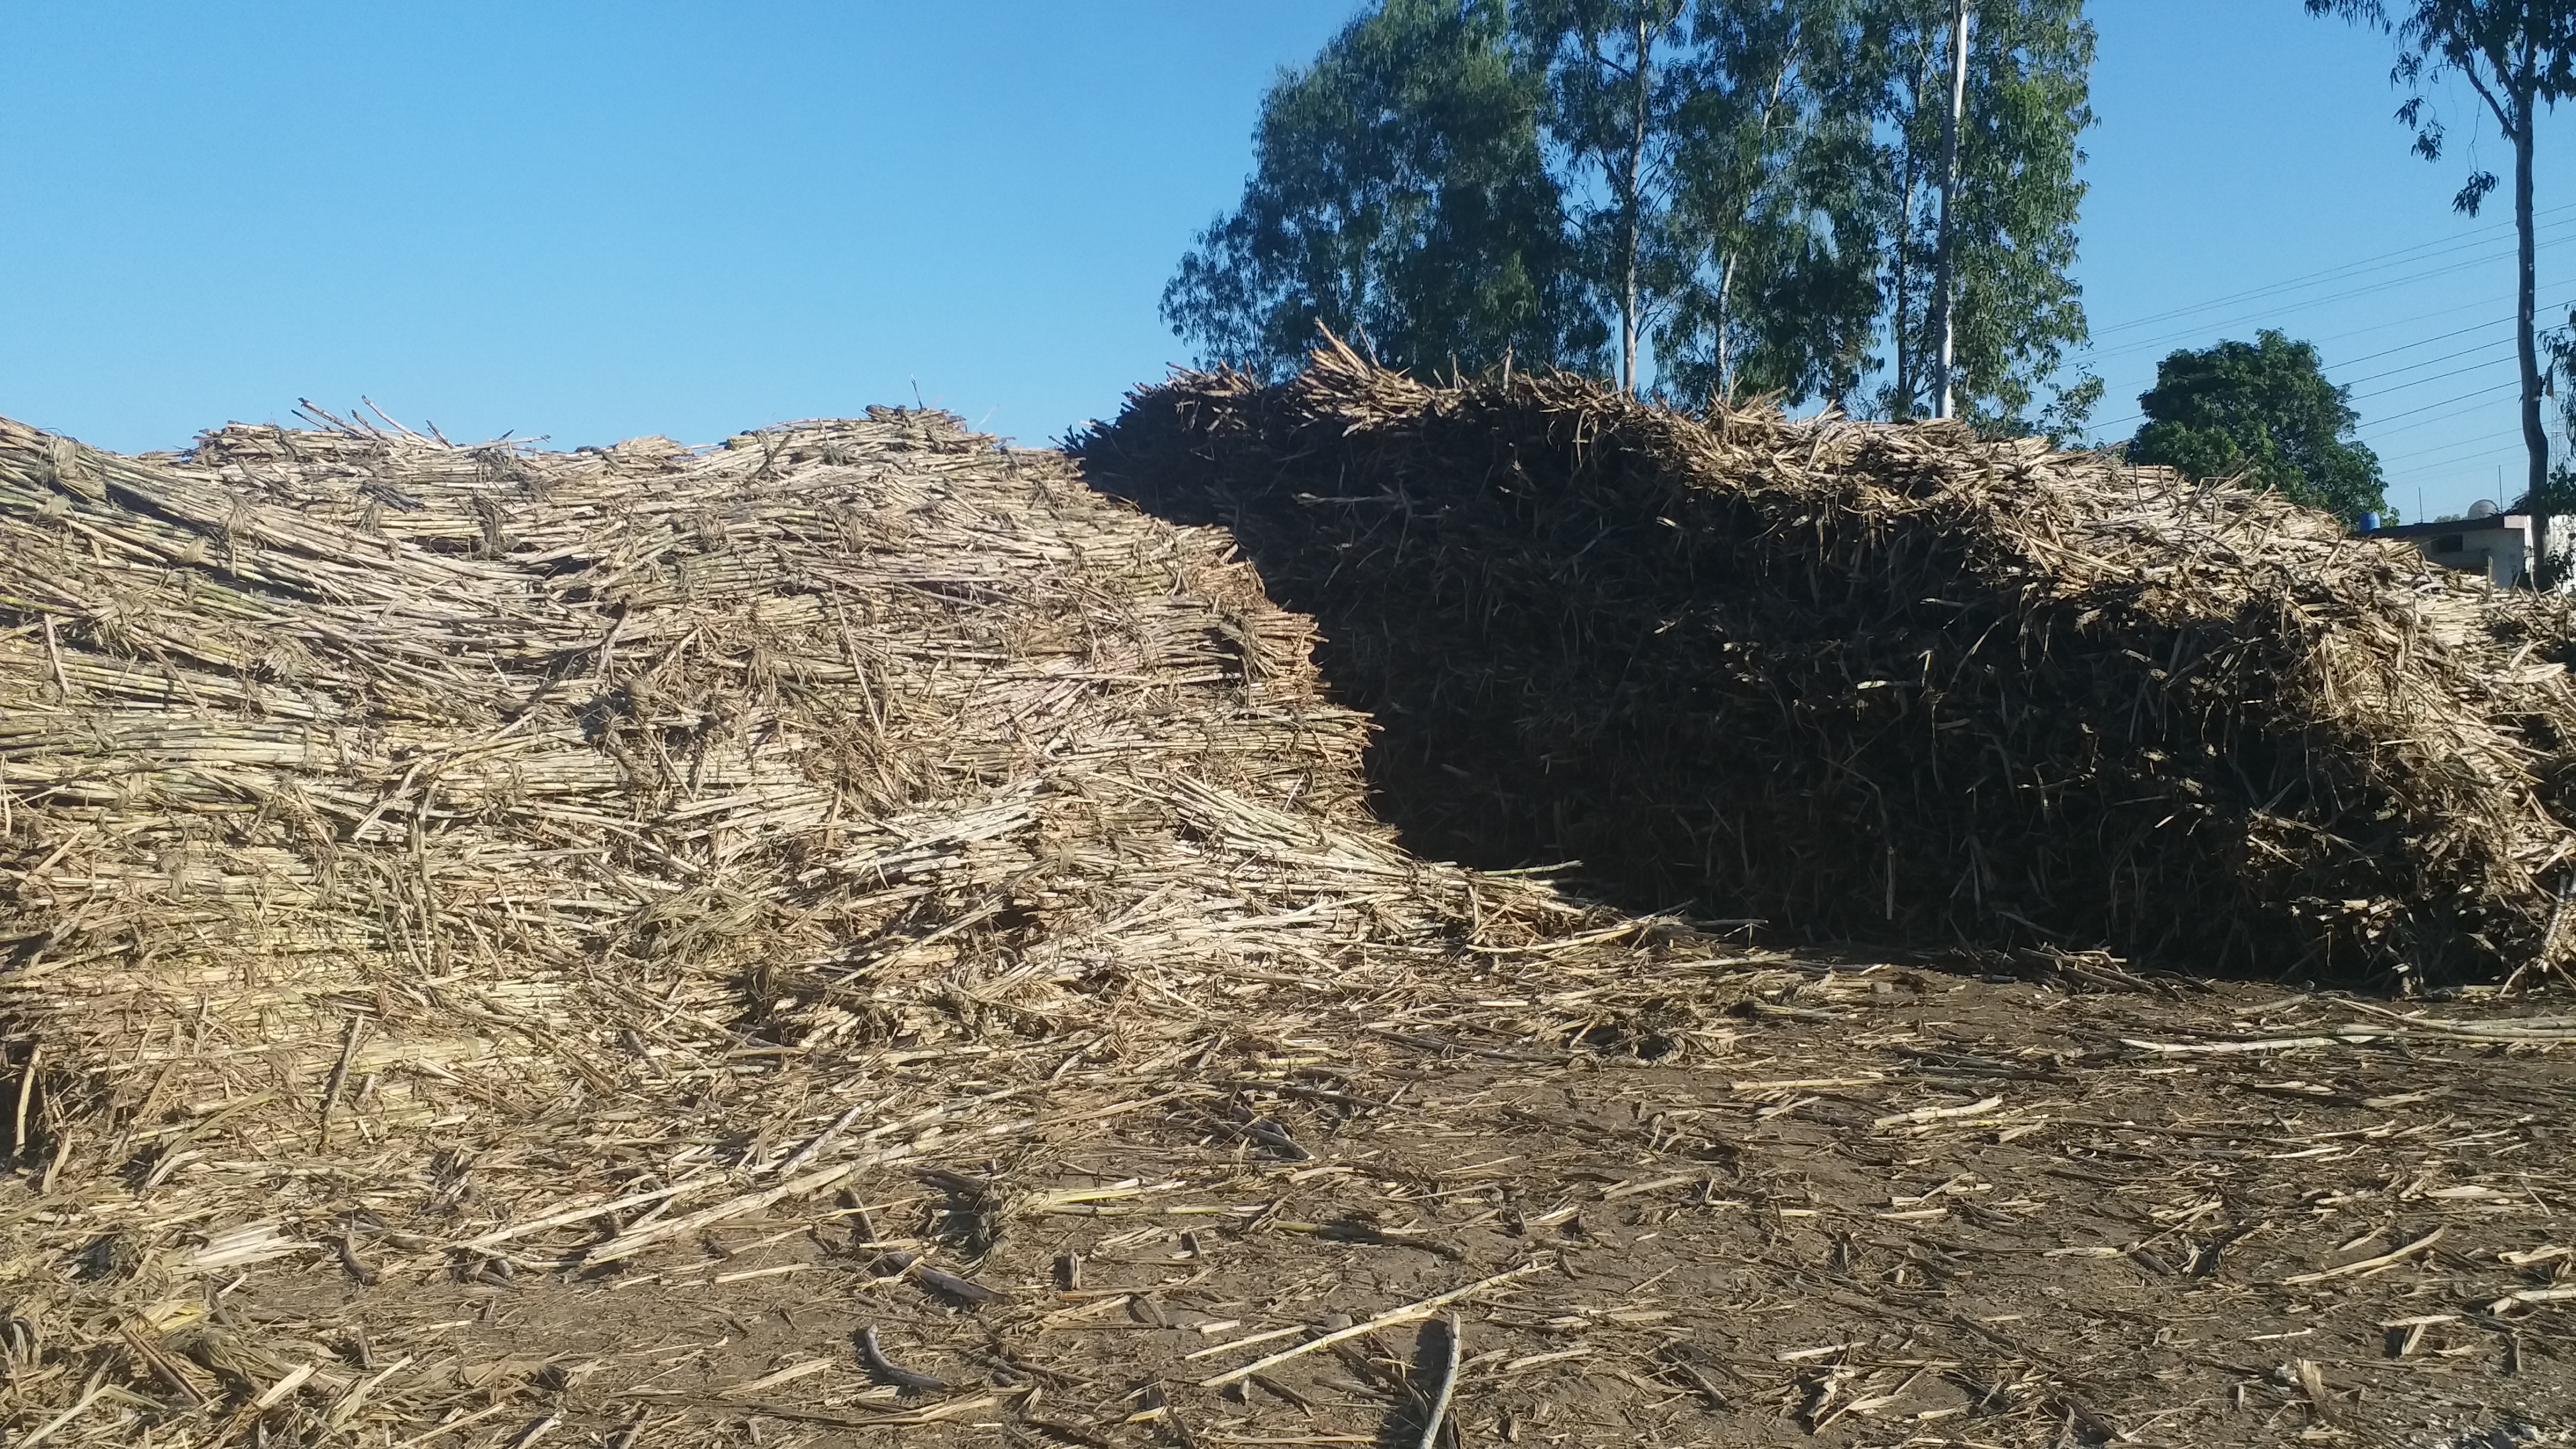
{"x":1619,"y":79}
{"x":1399,"y":197}
{"x":2029,"y":67}
{"x":1737,"y":196}
{"x":1772,"y":209}
{"x":2558,"y":350}
{"x":2262,"y":411}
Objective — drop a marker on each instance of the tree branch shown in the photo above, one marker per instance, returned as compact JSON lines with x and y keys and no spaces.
{"x":2478,"y":84}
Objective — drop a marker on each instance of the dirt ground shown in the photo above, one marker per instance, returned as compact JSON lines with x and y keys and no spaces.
{"x":1881,"y":1205}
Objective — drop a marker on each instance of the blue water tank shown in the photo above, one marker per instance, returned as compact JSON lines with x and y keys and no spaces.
{"x":2370,"y":523}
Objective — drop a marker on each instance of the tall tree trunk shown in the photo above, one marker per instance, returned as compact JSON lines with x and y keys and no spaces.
{"x":1726,"y":265}
{"x":1907,"y":343}
{"x":1634,"y":205}
{"x":1725,"y":355}
{"x":1628,"y":300}
{"x":1945,"y":263}
{"x":2535,"y":440}
{"x":1904,"y":409}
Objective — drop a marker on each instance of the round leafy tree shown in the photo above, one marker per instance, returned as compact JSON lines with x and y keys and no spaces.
{"x":2264,"y":412}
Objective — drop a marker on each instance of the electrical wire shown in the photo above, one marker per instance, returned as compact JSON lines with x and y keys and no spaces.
{"x":2553,"y":226}
{"x":2545,"y":237}
{"x":2428,"y":362}
{"x":2419,"y":252}
{"x":2436,"y":377}
{"x":2273,"y":313}
{"x":2515,"y":385}
{"x":2479,"y":482}
{"x":2421,"y":341}
{"x":2105,"y":428}
{"x":2484,"y":450}
{"x":2389,"y":391}
{"x":2450,"y":311}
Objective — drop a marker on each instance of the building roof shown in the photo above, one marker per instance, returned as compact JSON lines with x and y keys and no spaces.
{"x":2492,"y":523}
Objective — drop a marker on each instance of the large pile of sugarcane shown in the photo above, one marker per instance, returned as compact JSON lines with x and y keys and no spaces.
{"x":1896,"y":683}
{"x":356,"y":781}
{"x":421,"y":860}
{"x":436,"y":873}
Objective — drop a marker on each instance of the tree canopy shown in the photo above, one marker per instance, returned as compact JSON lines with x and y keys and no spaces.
{"x":1706,"y":197}
{"x":2558,"y":348}
{"x":2262,"y":411}
{"x":2029,"y":68}
{"x":1399,"y":196}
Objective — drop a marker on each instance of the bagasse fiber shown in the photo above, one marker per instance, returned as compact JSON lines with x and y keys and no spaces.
{"x":428,"y":864}
{"x":1895,"y":682}
{"x":355,"y":781}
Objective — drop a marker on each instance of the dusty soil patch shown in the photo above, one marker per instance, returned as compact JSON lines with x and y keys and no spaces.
{"x":1864,"y":1206}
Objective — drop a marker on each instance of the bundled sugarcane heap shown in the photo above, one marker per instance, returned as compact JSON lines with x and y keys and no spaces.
{"x":1895,"y":682}
{"x":357,"y":783}
{"x":421,"y":860}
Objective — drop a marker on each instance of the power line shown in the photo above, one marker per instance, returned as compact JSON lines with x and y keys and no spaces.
{"x":2437,"y":377}
{"x":2385,"y":391}
{"x":2428,"y":362}
{"x":2545,"y":237}
{"x":2481,"y":481}
{"x":2418,"y":252}
{"x":2103,"y":428}
{"x":2454,"y":467}
{"x":2429,"y":407}
{"x":2554,"y":232}
{"x":2421,"y":341}
{"x":2273,"y":313}
{"x":2452,"y":311}
{"x":2495,"y":449}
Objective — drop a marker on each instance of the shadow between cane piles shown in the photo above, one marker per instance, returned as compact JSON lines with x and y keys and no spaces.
{"x":1472,"y":759}
{"x":1453,"y":783}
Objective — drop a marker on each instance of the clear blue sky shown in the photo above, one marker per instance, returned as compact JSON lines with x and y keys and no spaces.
{"x":591,"y":220}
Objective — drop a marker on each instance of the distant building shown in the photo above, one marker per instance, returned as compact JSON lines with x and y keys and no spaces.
{"x":2489,"y":541}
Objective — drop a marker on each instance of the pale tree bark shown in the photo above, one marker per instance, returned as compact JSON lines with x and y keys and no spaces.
{"x":1725,"y":355}
{"x":1625,"y":157}
{"x":2514,"y":100}
{"x":1726,"y":265}
{"x":1633,"y":205}
{"x":2535,"y":439}
{"x":1905,"y":348}
{"x":1945,"y":256}
{"x":1909,"y":347}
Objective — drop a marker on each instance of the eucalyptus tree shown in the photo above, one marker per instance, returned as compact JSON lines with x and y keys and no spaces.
{"x":1770,"y":167}
{"x":2559,"y":368}
{"x":1735,"y":195}
{"x":1808,"y":161}
{"x":1401,"y":197}
{"x":2017,"y":308}
{"x":1621,"y":81}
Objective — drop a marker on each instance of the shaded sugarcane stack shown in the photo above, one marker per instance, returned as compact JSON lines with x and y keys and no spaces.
{"x":1896,"y":683}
